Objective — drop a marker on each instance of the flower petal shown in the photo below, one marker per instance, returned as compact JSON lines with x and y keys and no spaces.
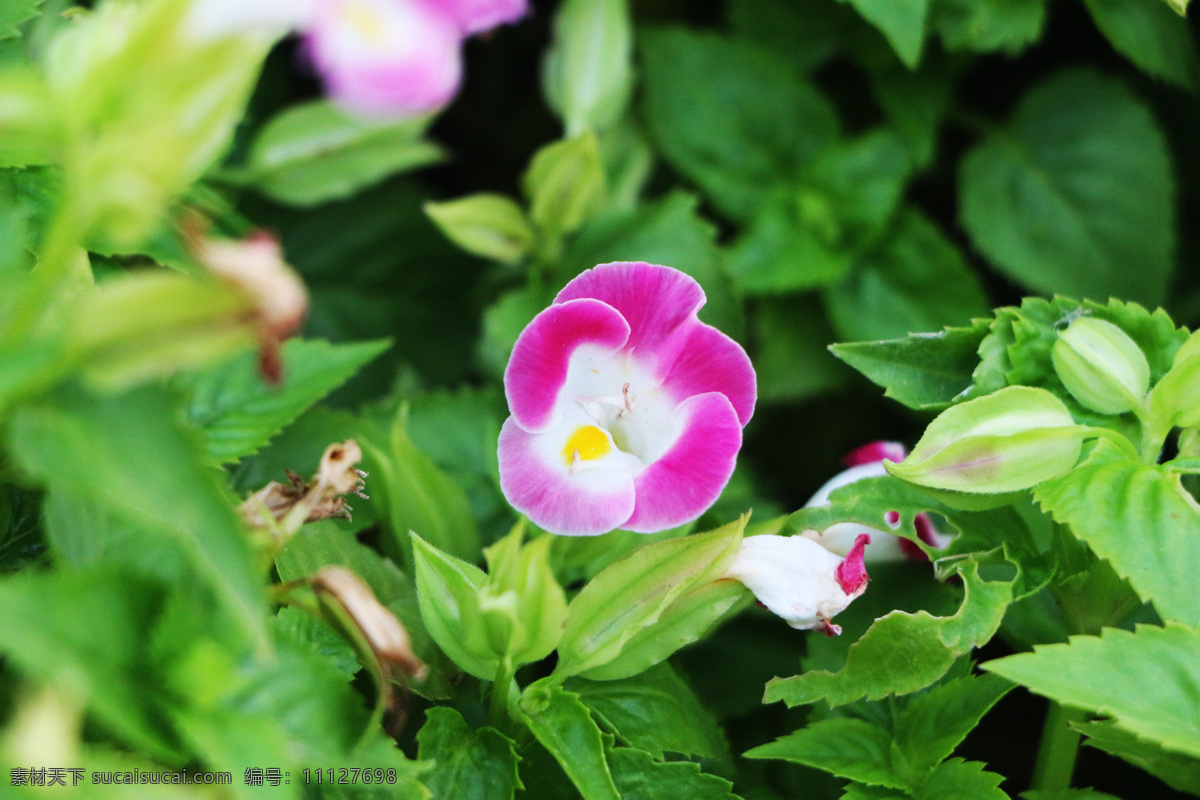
{"x":586,"y":503}
{"x":875,"y":451}
{"x":709,"y":361}
{"x":689,"y":477}
{"x":386,"y":56}
{"x":477,"y":16}
{"x":654,"y":300}
{"x":540,"y":359}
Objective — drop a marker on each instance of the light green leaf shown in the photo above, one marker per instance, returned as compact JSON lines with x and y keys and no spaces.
{"x":564,"y":184}
{"x":1062,"y":205}
{"x":904,"y":652}
{"x":935,"y":722}
{"x":1107,"y":499}
{"x":638,"y":776}
{"x":849,"y":748}
{"x":13,"y":13}
{"x":985,"y":26}
{"x":487,"y":225}
{"x":914,"y":280}
{"x":470,"y":765}
{"x":926,"y":371}
{"x":1150,"y":36}
{"x":1147,"y":680}
{"x":27,"y":116}
{"x":1174,"y":769}
{"x":448,"y":590}
{"x":901,"y":21}
{"x":313,"y":153}
{"x":733,"y":143}
{"x":633,"y":593}
{"x":588,"y":71}
{"x":561,"y":722}
{"x":655,"y":711}
{"x":960,"y":780}
{"x":239,"y":413}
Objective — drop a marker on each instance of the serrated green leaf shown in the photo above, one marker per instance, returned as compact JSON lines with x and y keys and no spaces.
{"x":1068,"y":794}
{"x":1138,"y":517}
{"x":1146,"y":680}
{"x":960,"y":780}
{"x":1174,"y":769}
{"x":470,"y":765}
{"x":1062,"y":205}
{"x":239,"y":413}
{"x":904,"y":652}
{"x":448,"y":592}
{"x":13,"y":13}
{"x":849,"y":748}
{"x":638,"y":776}
{"x":657,"y":712}
{"x":913,"y":280}
{"x":988,"y":25}
{"x":735,"y":144}
{"x":1150,"y":36}
{"x":934,"y":723}
{"x":633,"y":593}
{"x":561,"y":722}
{"x":902,"y":22}
{"x":315,"y":152}
{"x":926,"y":371}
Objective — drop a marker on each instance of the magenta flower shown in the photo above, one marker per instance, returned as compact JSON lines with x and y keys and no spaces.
{"x":867,"y":462}
{"x":627,"y":411}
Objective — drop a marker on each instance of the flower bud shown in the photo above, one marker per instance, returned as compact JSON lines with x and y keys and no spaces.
{"x":1101,"y":366}
{"x":1176,"y":398}
{"x":1007,"y":441}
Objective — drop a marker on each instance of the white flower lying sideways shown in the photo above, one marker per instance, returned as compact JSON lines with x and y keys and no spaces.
{"x":800,"y":580}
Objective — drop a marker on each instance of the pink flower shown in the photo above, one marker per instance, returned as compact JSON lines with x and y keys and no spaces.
{"x":867,"y":462}
{"x":627,"y":411}
{"x":799,"y":580}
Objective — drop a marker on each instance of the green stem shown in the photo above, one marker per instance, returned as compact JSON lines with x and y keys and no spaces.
{"x":498,"y":711}
{"x":1060,"y":744}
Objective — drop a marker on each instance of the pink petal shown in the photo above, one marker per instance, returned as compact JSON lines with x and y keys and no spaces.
{"x":875,"y":452}
{"x":386,"y":56}
{"x":689,"y":477}
{"x":654,"y":300}
{"x":590,"y":502}
{"x":537,"y":368}
{"x":851,"y":574}
{"x":476,"y":16}
{"x":709,"y":361}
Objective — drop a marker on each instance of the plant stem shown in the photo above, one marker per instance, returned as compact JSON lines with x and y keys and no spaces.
{"x":1060,"y":744}
{"x":498,"y":711}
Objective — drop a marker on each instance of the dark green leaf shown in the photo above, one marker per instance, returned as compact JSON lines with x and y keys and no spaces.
{"x":1151,"y":36}
{"x":639,"y":777}
{"x":960,"y":780}
{"x":1068,"y":794}
{"x":1174,"y":769}
{"x":1145,"y":680}
{"x":470,"y":765}
{"x":935,"y":722}
{"x":1063,"y":205}
{"x":789,"y":351}
{"x":734,"y":142}
{"x":239,"y":413}
{"x":561,"y":722}
{"x":849,"y":748}
{"x":988,"y":25}
{"x":901,"y":21}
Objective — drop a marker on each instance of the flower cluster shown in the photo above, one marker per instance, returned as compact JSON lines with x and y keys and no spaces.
{"x":626,"y":410}
{"x":398,"y":57}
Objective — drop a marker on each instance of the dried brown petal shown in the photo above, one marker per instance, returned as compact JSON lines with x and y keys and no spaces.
{"x":379,"y":626}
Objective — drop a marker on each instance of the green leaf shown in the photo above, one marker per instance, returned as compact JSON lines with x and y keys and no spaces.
{"x":13,"y":13}
{"x":633,"y":593}
{"x":448,"y":590}
{"x":960,"y":780}
{"x":935,"y":722}
{"x":925,"y":371}
{"x":1177,"y":771}
{"x":1062,"y":205}
{"x":313,"y":153}
{"x":901,"y":21}
{"x":1145,"y":680}
{"x":790,"y":356}
{"x":638,"y":776}
{"x":915,"y":104}
{"x":128,"y":456}
{"x":1150,"y":36}
{"x":849,"y":748}
{"x":414,"y":495}
{"x":1068,"y":794}
{"x":561,"y":722}
{"x":657,"y":712}
{"x":904,"y":652}
{"x":913,"y":280}
{"x":28,"y":117}
{"x":486,"y":225}
{"x":564,"y":184}
{"x":239,"y":413}
{"x":1108,"y":497}
{"x":588,"y":71}
{"x":986,"y":26}
{"x":730,"y":116}
{"x":470,"y":765}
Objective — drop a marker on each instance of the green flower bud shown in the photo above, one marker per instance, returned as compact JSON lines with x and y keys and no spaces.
{"x":1007,"y":441}
{"x":1176,"y":398}
{"x":487,"y":225}
{"x":1101,"y":366}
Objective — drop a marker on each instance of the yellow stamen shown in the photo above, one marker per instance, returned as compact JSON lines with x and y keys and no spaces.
{"x":587,"y":443}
